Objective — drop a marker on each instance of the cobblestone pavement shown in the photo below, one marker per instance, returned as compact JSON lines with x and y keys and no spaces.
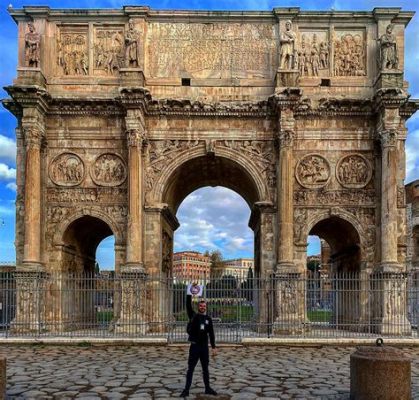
{"x":135,"y":372}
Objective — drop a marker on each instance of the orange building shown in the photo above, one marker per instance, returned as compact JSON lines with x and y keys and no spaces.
{"x":191,"y":266}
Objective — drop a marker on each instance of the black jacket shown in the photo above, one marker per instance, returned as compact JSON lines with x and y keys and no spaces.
{"x":200,"y":326}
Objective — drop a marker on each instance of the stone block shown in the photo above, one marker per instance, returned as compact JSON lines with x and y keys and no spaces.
{"x":380,"y":373}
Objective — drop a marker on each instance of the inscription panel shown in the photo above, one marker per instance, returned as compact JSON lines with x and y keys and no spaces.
{"x":212,"y":50}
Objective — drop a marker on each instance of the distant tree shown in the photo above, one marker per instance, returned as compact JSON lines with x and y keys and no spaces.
{"x":216,"y":260}
{"x":247,"y":286}
{"x":97,"y":268}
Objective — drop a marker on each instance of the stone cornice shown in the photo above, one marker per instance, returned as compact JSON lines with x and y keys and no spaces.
{"x":188,"y":108}
{"x":29,"y":97}
{"x":29,"y":12}
{"x":390,"y":98}
{"x":334,"y":107}
{"x":72,"y":106}
{"x":409,"y":108}
{"x":289,"y":98}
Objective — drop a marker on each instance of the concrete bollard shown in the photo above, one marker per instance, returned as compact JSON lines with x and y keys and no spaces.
{"x":380,"y":373}
{"x":2,"y":378}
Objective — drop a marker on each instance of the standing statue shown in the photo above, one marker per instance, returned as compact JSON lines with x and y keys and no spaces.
{"x":388,"y":49}
{"x":287,"y":54}
{"x":32,"y":47}
{"x":132,"y":46}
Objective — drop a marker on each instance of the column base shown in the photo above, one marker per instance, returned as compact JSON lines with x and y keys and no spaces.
{"x":30,"y":266}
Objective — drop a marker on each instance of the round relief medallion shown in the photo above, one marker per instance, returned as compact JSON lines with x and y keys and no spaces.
{"x":353,"y":171}
{"x":108,"y":170}
{"x":312,"y":171}
{"x":67,"y":169}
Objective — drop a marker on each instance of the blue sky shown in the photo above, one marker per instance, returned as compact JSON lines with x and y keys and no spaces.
{"x":211,"y":218}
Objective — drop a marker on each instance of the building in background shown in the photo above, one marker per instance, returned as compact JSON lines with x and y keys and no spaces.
{"x":237,"y":267}
{"x":191,"y":266}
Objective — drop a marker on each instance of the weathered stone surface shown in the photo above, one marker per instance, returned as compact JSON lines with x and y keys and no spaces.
{"x":123,"y":113}
{"x":380,"y":372}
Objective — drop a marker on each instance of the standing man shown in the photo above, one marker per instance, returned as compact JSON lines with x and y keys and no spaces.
{"x":199,"y":328}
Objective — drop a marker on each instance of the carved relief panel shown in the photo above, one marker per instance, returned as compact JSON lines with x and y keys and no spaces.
{"x":312,"y":171}
{"x":350,"y":53}
{"x":108,"y":51}
{"x":313,"y":54}
{"x":108,"y":170}
{"x":72,"y":50}
{"x":212,"y":50}
{"x":67,"y":169}
{"x":353,"y":171}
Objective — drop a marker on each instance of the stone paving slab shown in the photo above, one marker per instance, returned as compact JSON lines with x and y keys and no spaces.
{"x":158,"y":373}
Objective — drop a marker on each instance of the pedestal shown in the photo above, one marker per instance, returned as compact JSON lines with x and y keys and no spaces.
{"x":30,"y":302}
{"x":389,"y":79}
{"x":289,"y":303}
{"x":30,"y":77}
{"x":286,"y":78}
{"x":131,"y":77}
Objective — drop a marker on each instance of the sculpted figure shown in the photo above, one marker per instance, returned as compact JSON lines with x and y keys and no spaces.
{"x":388,"y":49}
{"x":32,"y":47}
{"x":287,"y":54}
{"x":132,"y":46}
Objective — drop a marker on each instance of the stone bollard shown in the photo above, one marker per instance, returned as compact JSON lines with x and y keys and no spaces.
{"x":2,"y":378}
{"x":380,"y":373}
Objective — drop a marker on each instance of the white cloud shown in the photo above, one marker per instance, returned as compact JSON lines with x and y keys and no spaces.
{"x":215,"y":218}
{"x":12,"y":186}
{"x":7,"y":149}
{"x":412,"y":156}
{"x":7,"y":173}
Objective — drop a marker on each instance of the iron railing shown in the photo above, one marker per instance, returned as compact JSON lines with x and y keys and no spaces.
{"x":312,"y":305}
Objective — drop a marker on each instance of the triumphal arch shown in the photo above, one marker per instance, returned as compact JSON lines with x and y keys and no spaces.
{"x":122,"y":113}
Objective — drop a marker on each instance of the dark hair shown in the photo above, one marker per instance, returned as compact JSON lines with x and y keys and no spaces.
{"x":202,"y":301}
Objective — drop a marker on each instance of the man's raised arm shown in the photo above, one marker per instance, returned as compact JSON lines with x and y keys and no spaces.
{"x":189,"y":308}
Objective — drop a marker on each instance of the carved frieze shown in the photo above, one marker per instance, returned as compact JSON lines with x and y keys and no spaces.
{"x":32,"y":47}
{"x":72,"y":51}
{"x":312,"y":171}
{"x":104,"y":195}
{"x":330,"y":197}
{"x":67,"y":169}
{"x":260,"y":152}
{"x":167,"y":251}
{"x":401,"y":197}
{"x":108,"y":170}
{"x":313,"y":55}
{"x":212,"y":50}
{"x":353,"y":171}
{"x":108,"y":53}
{"x":350,"y":53}
{"x":56,"y":214}
{"x":300,"y":221}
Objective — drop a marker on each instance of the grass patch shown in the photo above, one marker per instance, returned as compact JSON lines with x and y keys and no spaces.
{"x":319,"y":315}
{"x":104,"y":316}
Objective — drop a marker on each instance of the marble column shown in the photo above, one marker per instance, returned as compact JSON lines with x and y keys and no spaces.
{"x":32,"y":196}
{"x":134,"y":255}
{"x":389,"y":165}
{"x":285,"y":200}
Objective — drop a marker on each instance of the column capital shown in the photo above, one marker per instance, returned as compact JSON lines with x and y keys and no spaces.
{"x":33,"y":137}
{"x":387,"y":138}
{"x":285,"y":138}
{"x":136,"y":138}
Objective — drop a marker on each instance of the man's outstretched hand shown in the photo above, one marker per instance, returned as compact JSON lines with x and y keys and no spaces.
{"x":214,"y":352}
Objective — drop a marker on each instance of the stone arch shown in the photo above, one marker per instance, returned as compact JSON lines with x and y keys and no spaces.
{"x":78,"y":237}
{"x":63,"y":226}
{"x":328,"y":224}
{"x":242,"y":164}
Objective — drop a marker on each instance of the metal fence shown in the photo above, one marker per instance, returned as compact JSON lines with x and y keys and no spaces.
{"x":107,"y":305}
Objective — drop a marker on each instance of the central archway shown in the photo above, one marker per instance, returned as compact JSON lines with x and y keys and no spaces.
{"x":186,"y":174}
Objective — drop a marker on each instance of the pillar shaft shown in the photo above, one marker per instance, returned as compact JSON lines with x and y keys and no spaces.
{"x":32,"y":219}
{"x":285,"y":199}
{"x":388,"y":197}
{"x":135,"y":198}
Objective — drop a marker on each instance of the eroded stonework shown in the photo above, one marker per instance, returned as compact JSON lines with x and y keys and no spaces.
{"x":123,"y":113}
